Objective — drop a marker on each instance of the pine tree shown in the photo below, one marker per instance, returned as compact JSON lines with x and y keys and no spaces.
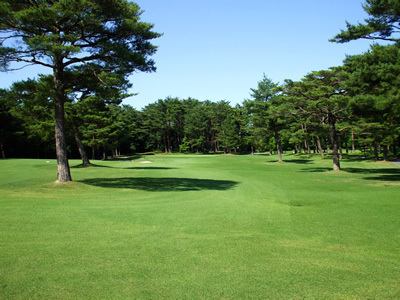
{"x":61,"y":34}
{"x":383,"y":23}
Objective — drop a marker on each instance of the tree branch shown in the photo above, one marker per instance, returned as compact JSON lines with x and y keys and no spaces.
{"x":31,"y":62}
{"x":369,"y":37}
{"x":82,"y":59}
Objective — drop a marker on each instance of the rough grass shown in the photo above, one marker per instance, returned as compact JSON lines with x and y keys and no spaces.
{"x":191,"y":226}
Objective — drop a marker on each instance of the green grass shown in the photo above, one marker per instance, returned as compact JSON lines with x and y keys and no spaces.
{"x":208,"y":227}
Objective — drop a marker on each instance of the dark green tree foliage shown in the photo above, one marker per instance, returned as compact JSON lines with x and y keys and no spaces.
{"x":130,"y":136}
{"x":373,"y":81}
{"x":168,"y":115}
{"x":164,"y":121}
{"x":248,"y":140}
{"x":383,"y":23}
{"x":167,"y":122}
{"x":222,"y":130}
{"x":155,"y":126}
{"x":321,"y":94}
{"x":175,"y":113}
{"x":101,"y":126}
{"x":10,"y":125}
{"x":258,"y":134}
{"x":242,"y":120}
{"x":229,"y":132}
{"x":34,"y":107}
{"x":196,"y":125}
{"x":267,"y":113}
{"x":64,"y":33}
{"x":106,"y":88}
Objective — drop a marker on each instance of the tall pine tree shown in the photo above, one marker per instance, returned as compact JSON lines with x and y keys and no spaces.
{"x":62,"y":33}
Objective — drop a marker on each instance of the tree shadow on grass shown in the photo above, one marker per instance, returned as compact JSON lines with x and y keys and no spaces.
{"x":120,"y":159}
{"x":293,"y":161}
{"x":80,"y":166}
{"x":126,"y":158}
{"x":390,"y":174}
{"x":385,"y":178}
{"x":373,"y":171}
{"x":170,"y":184}
{"x":147,"y":168}
{"x":299,"y":161}
{"x":347,"y":157}
{"x":315,"y":170}
{"x":129,"y":168}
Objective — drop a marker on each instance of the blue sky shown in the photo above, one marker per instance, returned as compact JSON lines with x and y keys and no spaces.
{"x":219,"y":49}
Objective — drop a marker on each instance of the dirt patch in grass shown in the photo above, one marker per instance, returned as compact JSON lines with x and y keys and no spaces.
{"x":383,"y":162}
{"x":385,"y":184}
{"x":320,"y":180}
{"x":62,"y":183}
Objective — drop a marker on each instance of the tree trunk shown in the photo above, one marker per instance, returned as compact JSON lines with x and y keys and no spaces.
{"x":93,"y":149}
{"x":385,"y":153}
{"x":63,"y":171}
{"x":315,"y":150}
{"x":321,"y":151}
{"x":278,"y":145}
{"x":165,"y":143}
{"x":353,"y":145}
{"x":306,"y":142}
{"x":339,"y":139}
{"x":376,"y":151}
{"x":335,"y":154}
{"x":307,"y":146}
{"x":214,"y":137}
{"x":328,"y":148}
{"x":169,"y":139}
{"x":81,"y":148}
{"x":3,"y":152}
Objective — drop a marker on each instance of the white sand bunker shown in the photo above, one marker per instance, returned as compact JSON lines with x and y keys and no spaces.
{"x":146,"y":162}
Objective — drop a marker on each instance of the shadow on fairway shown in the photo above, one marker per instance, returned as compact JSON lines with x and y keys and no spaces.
{"x":349,"y":157}
{"x":315,"y":170}
{"x":385,"y":178}
{"x":90,"y":166}
{"x":120,"y":159}
{"x":147,"y":168}
{"x":392,"y":174}
{"x":373,"y":171}
{"x":126,"y":158}
{"x":129,"y":168}
{"x":299,"y":161}
{"x":161,"y":184}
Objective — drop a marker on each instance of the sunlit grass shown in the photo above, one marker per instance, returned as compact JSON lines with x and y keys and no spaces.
{"x":190,"y":226}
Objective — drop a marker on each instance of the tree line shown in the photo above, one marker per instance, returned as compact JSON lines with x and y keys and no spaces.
{"x":335,"y":111}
